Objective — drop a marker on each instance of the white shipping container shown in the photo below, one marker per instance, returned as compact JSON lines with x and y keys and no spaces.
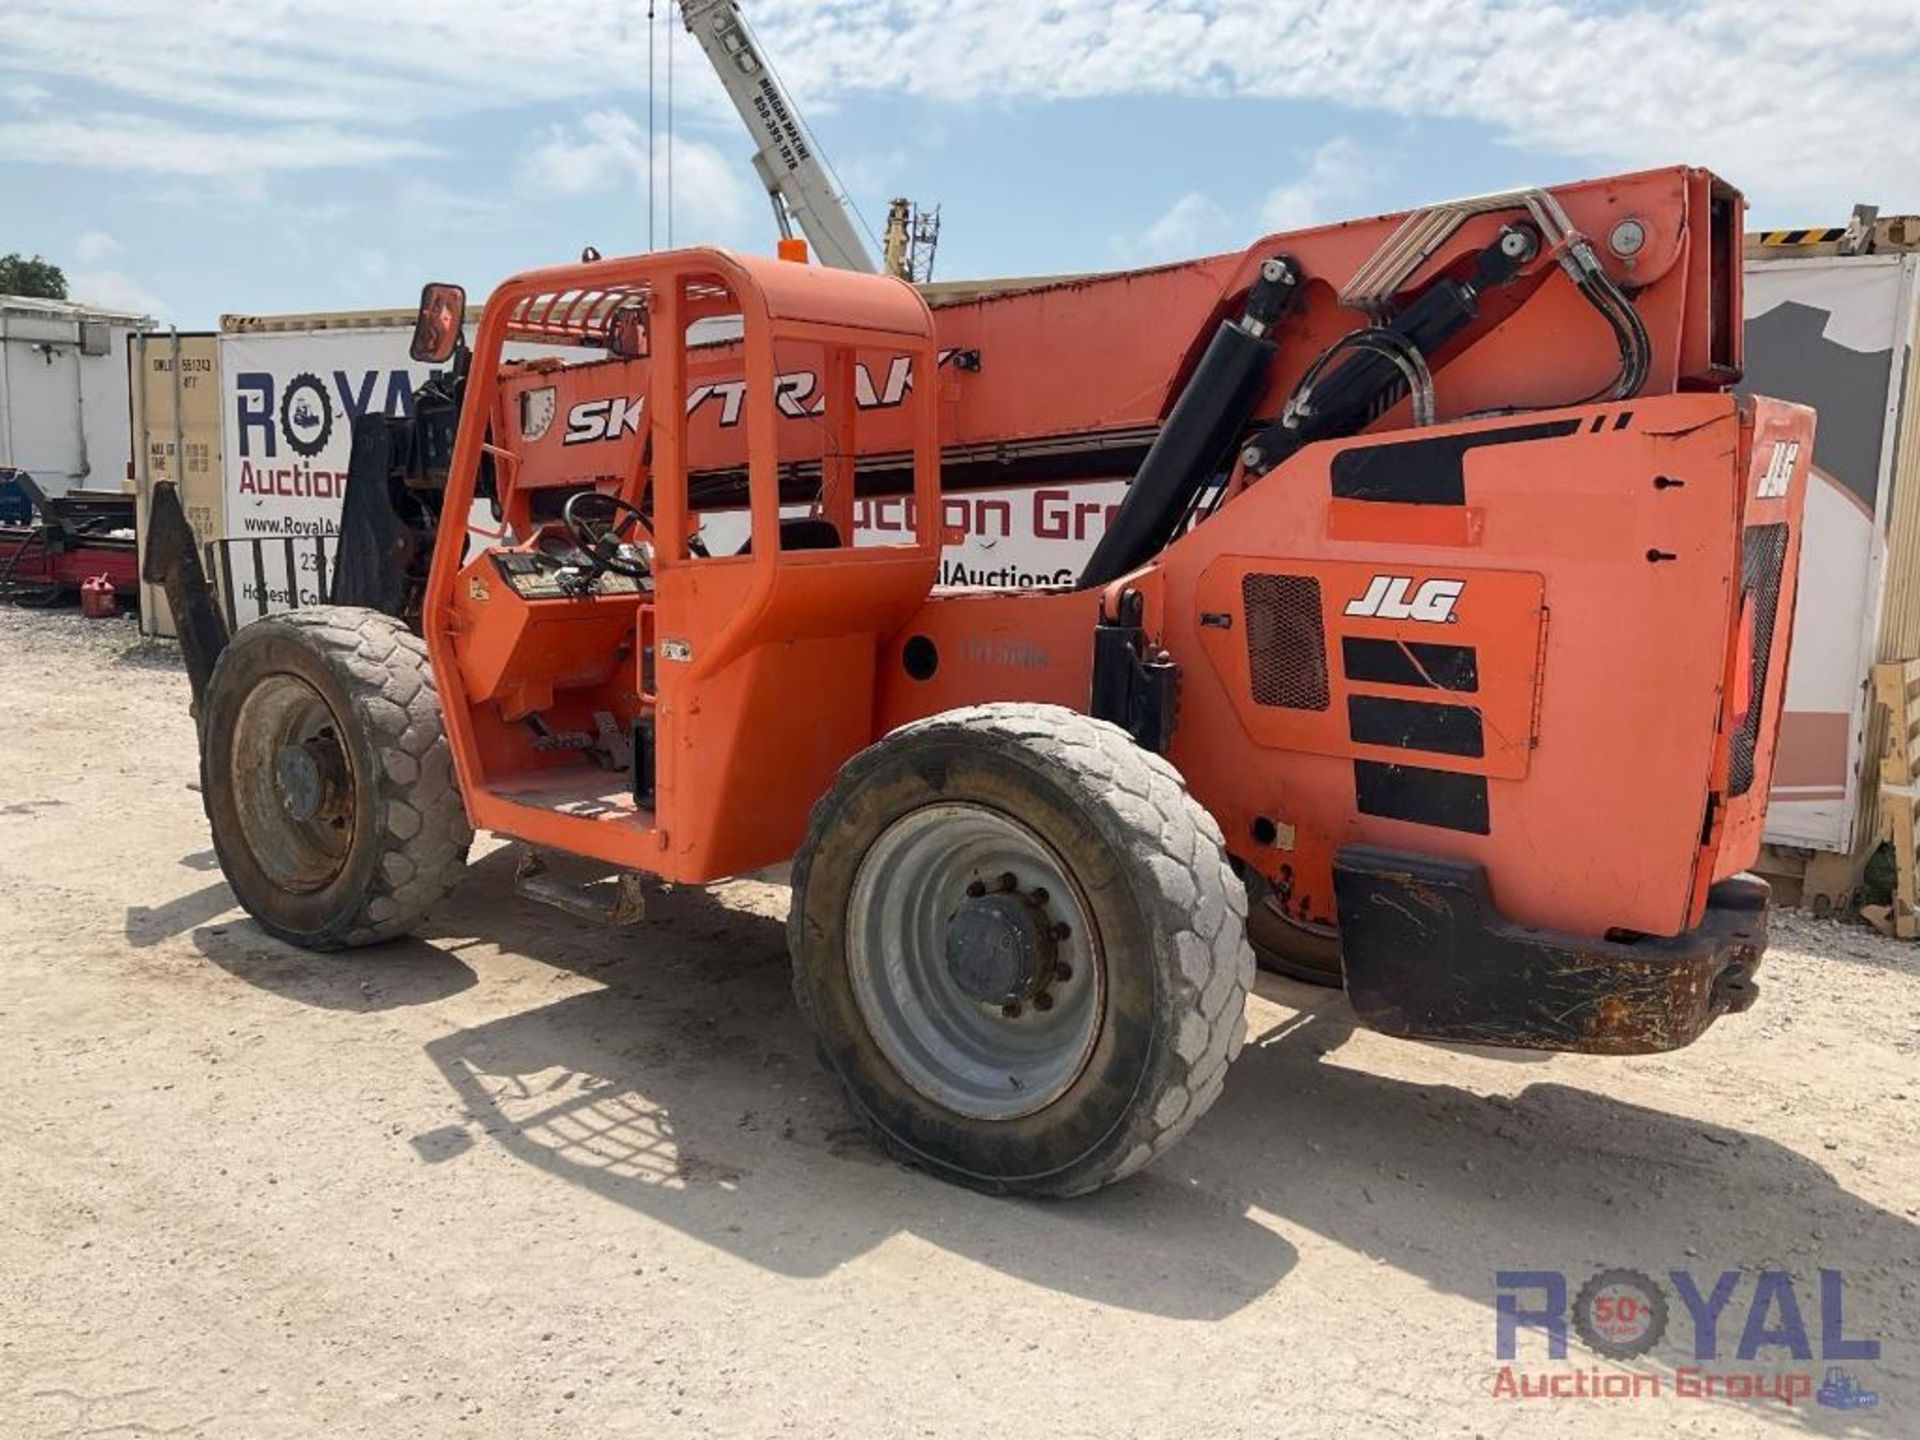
{"x":64,"y":392}
{"x":1836,"y":333}
{"x":289,"y":395}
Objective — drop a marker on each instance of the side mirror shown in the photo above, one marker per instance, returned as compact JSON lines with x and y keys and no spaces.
{"x":627,"y":332}
{"x":436,"y":332}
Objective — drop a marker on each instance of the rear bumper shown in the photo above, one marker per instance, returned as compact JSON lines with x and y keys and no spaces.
{"x":1427,"y":956}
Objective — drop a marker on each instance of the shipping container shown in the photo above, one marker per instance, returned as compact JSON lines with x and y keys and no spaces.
{"x":64,"y":392}
{"x":1833,"y":322}
{"x":291,"y":388}
{"x":176,"y":437}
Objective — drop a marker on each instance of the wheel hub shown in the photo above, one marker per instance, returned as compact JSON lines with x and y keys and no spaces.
{"x":999,"y":948}
{"x":309,"y":776}
{"x":293,"y":784}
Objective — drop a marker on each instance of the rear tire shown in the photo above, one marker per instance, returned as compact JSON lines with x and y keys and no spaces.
{"x":1285,"y":946}
{"x":1107,"y":852}
{"x":327,"y":779}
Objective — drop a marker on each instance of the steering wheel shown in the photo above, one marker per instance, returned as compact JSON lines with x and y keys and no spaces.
{"x":602,"y":537}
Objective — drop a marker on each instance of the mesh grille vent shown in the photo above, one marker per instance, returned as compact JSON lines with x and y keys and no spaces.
{"x":1286,"y":641}
{"x":1763,"y":554}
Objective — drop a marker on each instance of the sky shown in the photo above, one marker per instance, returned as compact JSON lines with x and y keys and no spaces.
{"x":192,"y":158}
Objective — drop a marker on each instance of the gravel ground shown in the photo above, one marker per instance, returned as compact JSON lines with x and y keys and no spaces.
{"x":520,"y":1177}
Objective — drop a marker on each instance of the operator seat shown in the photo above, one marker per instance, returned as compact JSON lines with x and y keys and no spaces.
{"x":803,"y":532}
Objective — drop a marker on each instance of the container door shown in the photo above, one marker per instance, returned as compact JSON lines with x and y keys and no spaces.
{"x":1831,"y":333}
{"x":43,"y":402}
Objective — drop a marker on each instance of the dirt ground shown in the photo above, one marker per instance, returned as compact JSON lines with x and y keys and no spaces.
{"x":522,"y":1177}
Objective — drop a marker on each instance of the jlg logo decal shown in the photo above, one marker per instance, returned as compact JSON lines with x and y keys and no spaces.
{"x":1395,"y":597}
{"x":1779,"y":471}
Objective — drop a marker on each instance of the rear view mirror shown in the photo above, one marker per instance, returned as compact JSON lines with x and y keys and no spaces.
{"x":443,"y":311}
{"x":627,"y":332}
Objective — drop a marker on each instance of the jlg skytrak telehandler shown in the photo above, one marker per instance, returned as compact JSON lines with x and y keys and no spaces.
{"x":1445,"y":619}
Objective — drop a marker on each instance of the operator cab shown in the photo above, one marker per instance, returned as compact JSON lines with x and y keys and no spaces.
{"x":614,"y":664}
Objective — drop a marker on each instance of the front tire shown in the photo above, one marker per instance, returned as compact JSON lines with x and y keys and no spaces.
{"x":327,"y":779}
{"x":1019,"y":944}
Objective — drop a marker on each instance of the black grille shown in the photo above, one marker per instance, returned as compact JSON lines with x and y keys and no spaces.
{"x":1763,"y":555}
{"x":1286,"y":641}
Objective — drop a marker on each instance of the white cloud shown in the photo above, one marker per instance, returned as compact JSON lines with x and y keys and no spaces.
{"x":424,"y":200}
{"x":712,"y":197}
{"x":882,"y":170}
{"x":1329,"y":180}
{"x":1192,"y":225}
{"x":1770,"y":92}
{"x":607,"y":151}
{"x":1332,"y":176}
{"x":1780,"y":95}
{"x":115,"y":290}
{"x":355,"y":62}
{"x":95,"y":247}
{"x":122,"y":141}
{"x":25,"y":95}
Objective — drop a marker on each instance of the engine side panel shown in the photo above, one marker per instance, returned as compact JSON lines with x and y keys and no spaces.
{"x":1509,"y":642}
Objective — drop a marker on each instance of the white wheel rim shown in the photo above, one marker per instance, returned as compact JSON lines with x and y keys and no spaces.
{"x":979,"y":1059}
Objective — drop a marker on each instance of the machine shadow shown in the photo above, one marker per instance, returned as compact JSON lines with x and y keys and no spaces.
{"x":1451,"y":1186}
{"x":393,"y":976}
{"x":687,"y":1090}
{"x":147,"y":926}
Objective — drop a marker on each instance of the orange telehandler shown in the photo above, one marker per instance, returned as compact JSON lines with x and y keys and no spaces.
{"x":1444,"y":623}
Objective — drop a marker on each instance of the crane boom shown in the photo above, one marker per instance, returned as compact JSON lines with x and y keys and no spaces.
{"x":799,"y":184}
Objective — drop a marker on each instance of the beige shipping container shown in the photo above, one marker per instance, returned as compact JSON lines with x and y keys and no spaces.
{"x":176,"y":436}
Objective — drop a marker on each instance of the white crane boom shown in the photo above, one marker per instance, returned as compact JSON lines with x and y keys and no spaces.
{"x":799,"y":184}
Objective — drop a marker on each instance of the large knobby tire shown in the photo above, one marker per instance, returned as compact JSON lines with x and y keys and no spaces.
{"x":327,"y":779}
{"x":993,"y":817}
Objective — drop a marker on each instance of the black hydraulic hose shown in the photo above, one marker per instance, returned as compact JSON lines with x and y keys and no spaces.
{"x":1630,"y":335}
{"x":1396,"y":349}
{"x":1637,"y":348}
{"x":1354,"y":391}
{"x":1192,"y":447}
{"x":1203,"y":427}
{"x":1364,"y":385}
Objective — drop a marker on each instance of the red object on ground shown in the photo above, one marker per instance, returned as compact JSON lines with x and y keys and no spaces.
{"x":97,"y":598}
{"x":72,"y":566}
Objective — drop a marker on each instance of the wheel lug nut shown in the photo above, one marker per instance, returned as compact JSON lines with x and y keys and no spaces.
{"x":1062,"y":930}
{"x":1007,"y":881}
{"x":1012,"y":1009}
{"x":1040,"y":896}
{"x":1062,"y":973}
{"x":1043,"y":1001}
{"x":976,"y":889}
